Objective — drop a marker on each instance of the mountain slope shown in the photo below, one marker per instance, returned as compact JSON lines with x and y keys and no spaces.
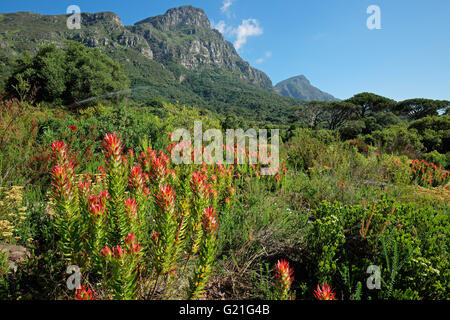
{"x":175,"y":56}
{"x":300,"y":88}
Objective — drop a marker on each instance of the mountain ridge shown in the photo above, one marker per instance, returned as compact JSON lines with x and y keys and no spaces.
{"x":176,"y":56}
{"x":300,"y":88}
{"x":194,"y":42}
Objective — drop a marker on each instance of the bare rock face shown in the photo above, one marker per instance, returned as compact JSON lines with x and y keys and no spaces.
{"x":191,"y":42}
{"x":108,"y":17}
{"x":176,"y":17}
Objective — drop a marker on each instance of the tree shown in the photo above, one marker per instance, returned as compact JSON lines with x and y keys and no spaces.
{"x":43,"y":74}
{"x":435,"y":132}
{"x":371,"y":103}
{"x":68,"y":75}
{"x":418,"y":108}
{"x":339,"y":112}
{"x":313,"y":112}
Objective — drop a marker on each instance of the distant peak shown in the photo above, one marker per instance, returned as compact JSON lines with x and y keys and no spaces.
{"x":300,"y":78}
{"x":300,"y":88}
{"x":185,"y":15}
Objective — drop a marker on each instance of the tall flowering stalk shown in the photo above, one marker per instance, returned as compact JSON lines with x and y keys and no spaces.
{"x":165,"y":232}
{"x":123,"y":265}
{"x":206,"y":254}
{"x":96,"y":229}
{"x":136,"y":185}
{"x":115,"y":177}
{"x":201,"y":194}
{"x":283,"y":280}
{"x":64,"y":195}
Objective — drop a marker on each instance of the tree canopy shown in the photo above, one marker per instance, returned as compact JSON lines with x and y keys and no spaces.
{"x":67,"y":75}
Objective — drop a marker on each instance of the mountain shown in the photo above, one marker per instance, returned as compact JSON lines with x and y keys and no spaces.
{"x":176,"y":56}
{"x":300,"y":88}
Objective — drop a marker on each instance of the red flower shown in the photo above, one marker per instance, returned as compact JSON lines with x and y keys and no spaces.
{"x":155,"y":237}
{"x":113,"y":148}
{"x":61,"y":180}
{"x":59,"y":147}
{"x":209,"y":220}
{"x":73,"y":128}
{"x":118,"y":252}
{"x":97,"y":209}
{"x":283,"y":274}
{"x":85,"y":293}
{"x":165,"y":199}
{"x":136,"y":179}
{"x":84,"y":187}
{"x":103,"y":195}
{"x":131,"y":208}
{"x":324,"y":293}
{"x":59,"y":152}
{"x":199,"y":185}
{"x":131,"y":245}
{"x":106,"y":252}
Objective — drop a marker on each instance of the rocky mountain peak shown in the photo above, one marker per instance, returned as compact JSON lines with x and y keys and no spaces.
{"x":176,"y":17}
{"x":300,"y":88}
{"x":108,"y":17}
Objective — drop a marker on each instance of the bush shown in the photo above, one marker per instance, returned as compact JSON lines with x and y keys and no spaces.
{"x":69,"y":75}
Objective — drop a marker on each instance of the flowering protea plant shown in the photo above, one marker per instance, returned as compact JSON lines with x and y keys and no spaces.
{"x":324,"y":292}
{"x":115,"y":173}
{"x":283,"y":280}
{"x":207,"y":251}
{"x":141,"y":216}
{"x":66,"y":214}
{"x":123,"y":263}
{"x":428,"y":174}
{"x":165,"y":231}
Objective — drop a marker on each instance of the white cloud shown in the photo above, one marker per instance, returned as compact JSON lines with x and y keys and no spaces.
{"x":248,"y":28}
{"x":266,"y":56}
{"x":226,"y":5}
{"x":223,"y":28}
{"x":220,"y":26}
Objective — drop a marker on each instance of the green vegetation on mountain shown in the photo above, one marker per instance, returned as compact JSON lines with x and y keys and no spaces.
{"x":175,"y":56}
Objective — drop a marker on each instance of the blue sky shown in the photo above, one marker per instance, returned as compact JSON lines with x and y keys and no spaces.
{"x":328,"y":40}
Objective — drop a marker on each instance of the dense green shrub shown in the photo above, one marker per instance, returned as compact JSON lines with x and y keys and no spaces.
{"x":407,"y":243}
{"x":69,"y":75}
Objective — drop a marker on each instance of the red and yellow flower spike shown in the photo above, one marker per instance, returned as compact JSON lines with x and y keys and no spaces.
{"x":283,"y":280}
{"x":324,"y":292}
